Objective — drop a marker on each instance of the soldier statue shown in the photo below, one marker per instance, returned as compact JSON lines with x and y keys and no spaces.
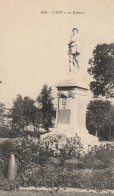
{"x":73,"y":53}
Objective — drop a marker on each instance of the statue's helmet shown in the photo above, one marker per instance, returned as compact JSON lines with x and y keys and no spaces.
{"x":74,"y":30}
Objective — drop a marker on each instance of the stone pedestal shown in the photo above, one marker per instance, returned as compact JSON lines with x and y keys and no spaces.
{"x":71,"y":111}
{"x":71,"y":107}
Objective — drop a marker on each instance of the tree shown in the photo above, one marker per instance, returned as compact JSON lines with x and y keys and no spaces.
{"x":102,"y":70}
{"x":111,"y":135}
{"x":31,"y":113}
{"x":24,"y":112}
{"x":45,"y":102}
{"x":18,"y":112}
{"x":99,"y":115}
{"x":2,"y":106}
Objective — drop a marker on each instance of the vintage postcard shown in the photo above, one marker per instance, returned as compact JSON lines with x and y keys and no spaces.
{"x":57,"y":82}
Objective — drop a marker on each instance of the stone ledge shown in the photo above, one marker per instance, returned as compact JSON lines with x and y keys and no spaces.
{"x":72,"y":83}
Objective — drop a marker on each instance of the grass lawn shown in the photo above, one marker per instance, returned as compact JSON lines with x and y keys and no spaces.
{"x":46,"y":193}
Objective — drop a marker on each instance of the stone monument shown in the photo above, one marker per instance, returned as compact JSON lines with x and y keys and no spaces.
{"x":71,"y":95}
{"x":72,"y":91}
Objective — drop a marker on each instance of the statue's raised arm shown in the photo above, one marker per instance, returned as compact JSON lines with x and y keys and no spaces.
{"x":73,"y":53}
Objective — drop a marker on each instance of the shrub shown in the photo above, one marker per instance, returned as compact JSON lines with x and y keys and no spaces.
{"x":96,"y":164}
{"x":74,"y":163}
{"x":32,"y":134}
{"x":102,"y":180}
{"x":56,"y":161}
{"x":60,"y":145}
{"x":16,"y":133}
{"x":3,"y":132}
{"x":99,"y":157}
{"x":53,"y":161}
{"x":10,"y":133}
{"x":23,"y":150}
{"x":10,"y":185}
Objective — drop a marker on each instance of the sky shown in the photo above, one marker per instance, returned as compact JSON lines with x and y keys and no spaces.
{"x":34,"y":45}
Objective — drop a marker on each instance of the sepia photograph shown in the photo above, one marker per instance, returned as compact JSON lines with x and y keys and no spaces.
{"x":56,"y":98}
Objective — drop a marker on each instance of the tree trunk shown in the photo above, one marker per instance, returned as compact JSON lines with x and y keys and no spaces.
{"x":96,"y":133}
{"x":110,"y":133}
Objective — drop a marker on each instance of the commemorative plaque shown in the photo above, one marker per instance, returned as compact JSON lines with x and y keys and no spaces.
{"x":64,"y":116}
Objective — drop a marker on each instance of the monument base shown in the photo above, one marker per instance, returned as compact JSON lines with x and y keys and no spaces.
{"x":71,"y":112}
{"x":87,"y":140}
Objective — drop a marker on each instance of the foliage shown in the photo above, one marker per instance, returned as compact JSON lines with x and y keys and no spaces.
{"x":49,"y":172}
{"x":23,"y":149}
{"x":10,"y":133}
{"x":9,"y":185}
{"x":62,"y":146}
{"x":54,"y":177}
{"x":99,"y":114}
{"x":45,"y":102}
{"x":2,"y":106}
{"x":96,"y":180}
{"x":74,"y":163}
{"x":99,"y":157}
{"x":16,"y":133}
{"x":102,"y":70}
{"x":24,"y":112}
{"x":112,"y":115}
{"x":18,"y":112}
{"x":32,"y":151}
